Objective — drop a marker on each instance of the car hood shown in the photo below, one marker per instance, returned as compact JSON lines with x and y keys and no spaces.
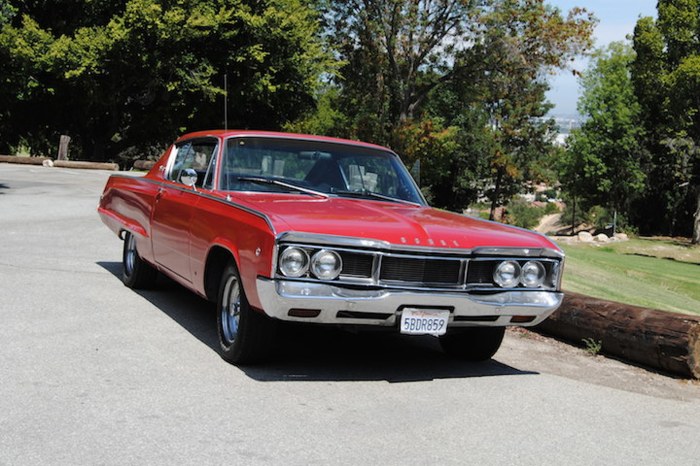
{"x":398,"y":224}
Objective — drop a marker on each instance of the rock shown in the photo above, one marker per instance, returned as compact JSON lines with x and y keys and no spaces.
{"x":585,"y":237}
{"x":621,"y":237}
{"x":47,"y":163}
{"x":602,"y":238}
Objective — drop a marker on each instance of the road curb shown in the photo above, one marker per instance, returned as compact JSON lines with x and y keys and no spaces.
{"x":662,"y":340}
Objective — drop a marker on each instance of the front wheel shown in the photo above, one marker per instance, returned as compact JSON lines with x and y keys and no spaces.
{"x":245,"y":335}
{"x":473,"y":343}
{"x":136,"y":272}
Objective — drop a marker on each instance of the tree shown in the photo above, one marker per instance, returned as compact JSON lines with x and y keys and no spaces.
{"x":396,"y":52}
{"x":603,"y":165}
{"x":122,"y":76}
{"x":666,"y":76}
{"x":412,"y":65}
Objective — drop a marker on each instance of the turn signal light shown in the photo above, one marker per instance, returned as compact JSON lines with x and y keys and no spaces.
{"x":522,"y":319}
{"x":307,"y":313}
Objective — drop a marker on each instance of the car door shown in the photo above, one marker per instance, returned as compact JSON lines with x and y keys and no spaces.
{"x":175,"y":204}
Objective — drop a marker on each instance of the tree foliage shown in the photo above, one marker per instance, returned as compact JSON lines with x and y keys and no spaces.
{"x":638,"y":148}
{"x":666,"y":77}
{"x":457,"y":86}
{"x":604,"y":161}
{"x":465,"y":78}
{"x":120,"y":76}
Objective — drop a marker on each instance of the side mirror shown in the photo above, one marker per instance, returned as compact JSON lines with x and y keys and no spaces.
{"x":188,"y":177}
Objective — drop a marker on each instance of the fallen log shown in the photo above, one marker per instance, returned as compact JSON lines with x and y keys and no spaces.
{"x":85,"y":165}
{"x":663,"y":340}
{"x":23,"y":160}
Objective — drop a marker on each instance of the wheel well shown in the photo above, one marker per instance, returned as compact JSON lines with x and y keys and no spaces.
{"x":216,"y":261}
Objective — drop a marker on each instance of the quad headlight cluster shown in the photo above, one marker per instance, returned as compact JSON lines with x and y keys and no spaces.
{"x":324,"y":264}
{"x":509,"y":274}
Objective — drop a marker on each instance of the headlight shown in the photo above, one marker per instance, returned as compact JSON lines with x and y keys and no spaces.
{"x":533,"y":274}
{"x":294,"y":262}
{"x":326,"y":265}
{"x":507,"y":274}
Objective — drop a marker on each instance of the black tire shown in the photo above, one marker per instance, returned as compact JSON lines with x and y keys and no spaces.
{"x":136,"y":273}
{"x":246,"y":336}
{"x":473,"y":343}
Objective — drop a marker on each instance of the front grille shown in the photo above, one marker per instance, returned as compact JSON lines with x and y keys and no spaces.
{"x":480,"y":272}
{"x":398,"y":269}
{"x":421,"y":270}
{"x":356,"y":265}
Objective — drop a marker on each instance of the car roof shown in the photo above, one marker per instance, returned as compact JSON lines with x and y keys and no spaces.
{"x":221,"y":133}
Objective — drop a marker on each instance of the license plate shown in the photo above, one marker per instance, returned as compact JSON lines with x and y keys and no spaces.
{"x":424,"y":321}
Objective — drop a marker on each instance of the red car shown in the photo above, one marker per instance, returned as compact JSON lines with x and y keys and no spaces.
{"x":286,"y":227}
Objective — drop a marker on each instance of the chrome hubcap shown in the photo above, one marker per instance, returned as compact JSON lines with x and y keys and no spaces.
{"x":231,"y":310}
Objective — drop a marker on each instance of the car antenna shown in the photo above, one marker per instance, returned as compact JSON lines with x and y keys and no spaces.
{"x":225,"y":102}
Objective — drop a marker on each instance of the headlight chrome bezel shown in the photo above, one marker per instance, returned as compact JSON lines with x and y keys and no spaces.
{"x":321,"y":259}
{"x":541,"y":274}
{"x":514,"y":274}
{"x":500,"y":270}
{"x":299,"y":271}
{"x":297,"y":261}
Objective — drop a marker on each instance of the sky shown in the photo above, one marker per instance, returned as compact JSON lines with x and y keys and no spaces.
{"x":617,"y":19}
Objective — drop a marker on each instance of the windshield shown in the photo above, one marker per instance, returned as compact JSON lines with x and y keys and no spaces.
{"x":280,"y":165}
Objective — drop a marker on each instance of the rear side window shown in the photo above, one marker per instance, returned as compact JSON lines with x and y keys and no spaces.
{"x":199,"y":155}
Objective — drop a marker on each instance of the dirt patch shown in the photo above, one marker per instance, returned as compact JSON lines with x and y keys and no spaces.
{"x":549,"y":223}
{"x":523,"y":348}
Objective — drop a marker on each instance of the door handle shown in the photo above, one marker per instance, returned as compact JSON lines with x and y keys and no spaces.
{"x":159,"y":194}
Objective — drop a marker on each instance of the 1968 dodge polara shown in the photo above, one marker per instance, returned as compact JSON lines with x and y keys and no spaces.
{"x":283,"y":227}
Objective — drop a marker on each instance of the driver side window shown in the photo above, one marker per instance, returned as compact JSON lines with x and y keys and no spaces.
{"x":197,"y":155}
{"x":184,"y":157}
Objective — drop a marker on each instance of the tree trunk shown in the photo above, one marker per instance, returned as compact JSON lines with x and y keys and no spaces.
{"x":63,"y":147}
{"x":696,"y":223}
{"x":659,"y":339}
{"x":496,"y":194}
{"x":573,"y":218}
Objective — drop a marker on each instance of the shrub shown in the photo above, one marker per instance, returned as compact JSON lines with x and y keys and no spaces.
{"x":523,"y":214}
{"x":551,"y":208}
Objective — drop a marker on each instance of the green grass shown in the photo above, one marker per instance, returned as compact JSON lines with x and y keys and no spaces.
{"x":660,"y":274}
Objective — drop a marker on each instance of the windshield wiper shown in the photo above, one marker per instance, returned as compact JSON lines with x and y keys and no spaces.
{"x":290,"y":186}
{"x":372,"y":195}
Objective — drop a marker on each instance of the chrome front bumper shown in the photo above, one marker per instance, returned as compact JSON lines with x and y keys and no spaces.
{"x":383,"y":307}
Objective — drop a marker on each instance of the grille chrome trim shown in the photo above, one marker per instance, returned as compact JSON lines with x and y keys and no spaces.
{"x":373,"y":276}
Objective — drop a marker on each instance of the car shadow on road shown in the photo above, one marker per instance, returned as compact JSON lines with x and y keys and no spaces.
{"x":312,"y":353}
{"x":327,"y":353}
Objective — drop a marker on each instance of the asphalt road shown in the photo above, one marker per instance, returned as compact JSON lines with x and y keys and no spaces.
{"x":92,"y":372}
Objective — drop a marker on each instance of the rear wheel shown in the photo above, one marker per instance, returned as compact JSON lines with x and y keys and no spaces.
{"x":136,"y":273}
{"x":473,"y":343}
{"x":245,"y":335}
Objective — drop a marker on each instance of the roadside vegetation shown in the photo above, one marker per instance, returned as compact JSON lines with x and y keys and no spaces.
{"x":457,"y":88}
{"x":656,"y":273}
